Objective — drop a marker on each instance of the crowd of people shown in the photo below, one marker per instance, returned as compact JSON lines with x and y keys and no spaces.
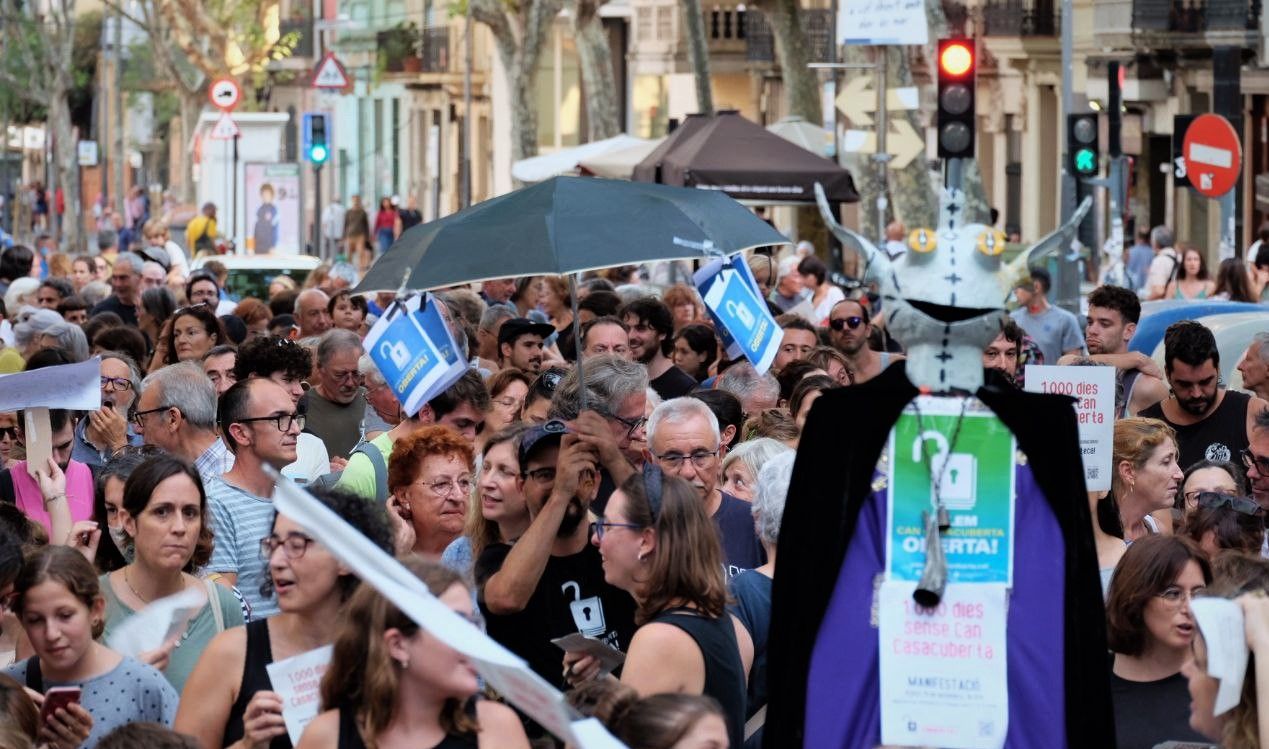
{"x":636,"y":500}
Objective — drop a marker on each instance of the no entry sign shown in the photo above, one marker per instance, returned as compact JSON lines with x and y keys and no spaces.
{"x":1213,"y":155}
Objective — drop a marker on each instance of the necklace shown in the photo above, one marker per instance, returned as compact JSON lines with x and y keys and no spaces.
{"x":936,"y":482}
{"x":128,"y":582}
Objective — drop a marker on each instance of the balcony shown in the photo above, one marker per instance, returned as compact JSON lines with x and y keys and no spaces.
{"x":1020,"y":18}
{"x":1195,"y":16}
{"x":302,"y":28}
{"x":407,"y":49}
{"x":760,"y":42}
{"x":1178,"y":26}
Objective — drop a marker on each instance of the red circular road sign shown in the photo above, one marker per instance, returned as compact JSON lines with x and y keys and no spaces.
{"x":1213,"y":155}
{"x":224,"y":94}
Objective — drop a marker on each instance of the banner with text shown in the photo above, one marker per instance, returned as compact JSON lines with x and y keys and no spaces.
{"x":415,"y":351}
{"x":1093,"y":389}
{"x":298,"y":682}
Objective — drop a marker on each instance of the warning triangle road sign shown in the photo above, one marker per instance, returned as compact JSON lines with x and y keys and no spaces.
{"x":225,"y":128}
{"x":330,"y":73}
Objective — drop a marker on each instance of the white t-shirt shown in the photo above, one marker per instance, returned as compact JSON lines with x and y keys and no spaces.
{"x":311,"y":459}
{"x":823,"y":309}
{"x":1161,"y":268}
{"x":177,"y":256}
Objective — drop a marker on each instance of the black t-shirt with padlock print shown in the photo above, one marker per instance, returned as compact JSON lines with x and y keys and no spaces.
{"x":571,"y":596}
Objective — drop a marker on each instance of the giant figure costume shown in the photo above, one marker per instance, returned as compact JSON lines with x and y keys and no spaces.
{"x":942,"y":301}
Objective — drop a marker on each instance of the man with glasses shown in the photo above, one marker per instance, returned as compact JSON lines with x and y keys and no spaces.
{"x":336,"y":403}
{"x":176,"y":411}
{"x":1211,"y":423}
{"x":106,"y":431}
{"x":850,"y":327}
{"x":261,"y":425}
{"x":1255,"y":458}
{"x":684,"y":440}
{"x":287,"y":364}
{"x":550,"y":583}
{"x":125,"y":282}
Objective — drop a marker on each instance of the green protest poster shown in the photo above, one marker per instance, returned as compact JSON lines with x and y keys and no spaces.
{"x":969,"y":455}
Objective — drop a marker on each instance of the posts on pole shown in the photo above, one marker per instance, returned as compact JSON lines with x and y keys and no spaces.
{"x":467,"y":109}
{"x":233,"y":208}
{"x":1066,"y":280}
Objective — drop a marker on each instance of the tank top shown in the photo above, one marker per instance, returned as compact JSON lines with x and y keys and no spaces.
{"x":254,"y":679}
{"x":1221,"y":436}
{"x":1128,"y":381}
{"x":350,"y":737}
{"x":724,"y":672}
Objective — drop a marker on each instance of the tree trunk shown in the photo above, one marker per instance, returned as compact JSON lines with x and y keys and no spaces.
{"x":191,"y":108}
{"x":914,"y":195}
{"x":801,"y":85}
{"x":595,"y":58}
{"x":698,"y":51}
{"x":66,"y":161}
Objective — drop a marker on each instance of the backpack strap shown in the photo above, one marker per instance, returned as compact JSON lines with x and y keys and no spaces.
{"x":380,"y":465}
{"x":213,"y":600}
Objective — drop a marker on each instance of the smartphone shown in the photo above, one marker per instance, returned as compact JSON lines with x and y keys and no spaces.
{"x":58,"y":697}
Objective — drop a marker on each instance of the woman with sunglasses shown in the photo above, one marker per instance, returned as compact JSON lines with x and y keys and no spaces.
{"x":165,"y":515}
{"x":1219,"y":476}
{"x":1150,"y":628}
{"x":659,"y":545}
{"x":1225,"y":521}
{"x":8,"y":439}
{"x":391,"y":683}
{"x":429,"y":478}
{"x":229,"y":698}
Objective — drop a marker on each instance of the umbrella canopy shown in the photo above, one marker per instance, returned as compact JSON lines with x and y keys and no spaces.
{"x":618,"y":164}
{"x":566,"y":160}
{"x":568,"y":225}
{"x":812,"y":137}
{"x":741,"y":158}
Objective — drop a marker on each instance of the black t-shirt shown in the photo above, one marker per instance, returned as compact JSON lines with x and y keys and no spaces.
{"x":112,"y":304}
{"x":571,"y":596}
{"x":741,"y":548}
{"x":1152,"y":712}
{"x":674,"y":383}
{"x":1222,"y":436}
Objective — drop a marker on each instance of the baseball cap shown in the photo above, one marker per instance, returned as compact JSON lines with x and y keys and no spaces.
{"x":538,"y":436}
{"x":518,"y":326}
{"x":156,"y":254}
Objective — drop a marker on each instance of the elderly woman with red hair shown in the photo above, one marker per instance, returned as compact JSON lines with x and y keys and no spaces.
{"x":429,"y":478}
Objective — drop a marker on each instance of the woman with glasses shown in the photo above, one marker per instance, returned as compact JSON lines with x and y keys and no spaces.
{"x":193,"y":332}
{"x":429,"y":477}
{"x":1145,"y":481}
{"x":500,"y":516}
{"x":1223,"y":521}
{"x":391,"y":683}
{"x":165,"y":515}
{"x":508,"y":389}
{"x":1150,"y":629}
{"x":1218,"y":476}
{"x":229,"y":698}
{"x":658,"y":544}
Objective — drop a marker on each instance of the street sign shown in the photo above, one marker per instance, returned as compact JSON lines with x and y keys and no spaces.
{"x":225,"y":128}
{"x":1180,"y":124}
{"x":87,"y":153}
{"x":1213,"y":155}
{"x":330,"y":73}
{"x":903,"y":143}
{"x":224,"y":94}
{"x":858,"y":100}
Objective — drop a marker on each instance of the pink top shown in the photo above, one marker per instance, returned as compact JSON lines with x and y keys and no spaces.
{"x":79,"y":493}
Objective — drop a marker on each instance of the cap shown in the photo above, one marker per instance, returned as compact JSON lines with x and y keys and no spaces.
{"x":518,"y":326}
{"x":540,"y":435}
{"x":156,"y":254}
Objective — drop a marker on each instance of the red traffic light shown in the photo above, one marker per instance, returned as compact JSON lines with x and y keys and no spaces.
{"x":956,"y":58}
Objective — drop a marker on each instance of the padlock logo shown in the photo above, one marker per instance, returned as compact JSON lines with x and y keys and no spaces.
{"x":956,"y":474}
{"x":741,"y":313}
{"x":397,"y":352}
{"x":588,"y":613}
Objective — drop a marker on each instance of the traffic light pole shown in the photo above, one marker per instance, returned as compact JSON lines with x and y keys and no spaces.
{"x":319,"y":248}
{"x":1066,"y":282}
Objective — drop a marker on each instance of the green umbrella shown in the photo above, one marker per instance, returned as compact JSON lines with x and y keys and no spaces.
{"x":568,"y":225}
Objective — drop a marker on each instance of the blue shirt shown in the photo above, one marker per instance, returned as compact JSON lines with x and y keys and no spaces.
{"x":240,"y":521}
{"x":1139,"y":257}
{"x":85,"y":453}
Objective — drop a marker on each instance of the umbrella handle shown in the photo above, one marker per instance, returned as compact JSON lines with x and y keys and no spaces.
{"x":573,"y":279}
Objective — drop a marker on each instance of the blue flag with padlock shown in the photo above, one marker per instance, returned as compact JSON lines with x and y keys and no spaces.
{"x":415,"y":351}
{"x":741,"y":318}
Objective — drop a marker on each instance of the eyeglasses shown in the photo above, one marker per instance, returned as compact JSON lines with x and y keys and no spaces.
{"x":138,"y":418}
{"x":116,"y":383}
{"x":1214,"y":500}
{"x":701,"y":459}
{"x":1174,"y":596}
{"x":1251,"y":460}
{"x":293,"y":546}
{"x":8,"y":433}
{"x":540,"y":475}
{"x":601,"y":527}
{"x":445,"y":489}
{"x":631,"y":425}
{"x":351,"y":374}
{"x":282,"y":421}
{"x":837,"y":323}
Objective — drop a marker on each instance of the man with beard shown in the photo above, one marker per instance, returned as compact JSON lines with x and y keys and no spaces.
{"x":1256,"y":459}
{"x":102,"y":433}
{"x":1002,"y":353}
{"x":520,"y":344}
{"x":1113,"y":313}
{"x":651,"y":328}
{"x":1211,"y":422}
{"x":850,"y":327}
{"x":550,"y":583}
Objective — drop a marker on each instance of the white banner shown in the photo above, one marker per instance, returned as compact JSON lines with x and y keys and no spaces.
{"x":1093,"y":389}
{"x":298,"y":681}
{"x":72,"y":386}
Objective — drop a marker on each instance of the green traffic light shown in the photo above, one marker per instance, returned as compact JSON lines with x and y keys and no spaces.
{"x":1086,"y":161}
{"x":317,"y":154}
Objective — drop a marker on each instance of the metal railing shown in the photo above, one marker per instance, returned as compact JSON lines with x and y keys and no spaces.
{"x":1020,"y":18}
{"x":1196,"y":16}
{"x":431,"y":43}
{"x":760,"y":42}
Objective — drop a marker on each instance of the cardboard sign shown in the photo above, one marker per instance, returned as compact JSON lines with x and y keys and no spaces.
{"x":76,"y":387}
{"x":944,"y":674}
{"x":1220,"y":621}
{"x":969,"y":456}
{"x":37,"y":431}
{"x":415,"y":352}
{"x":882,"y":22}
{"x":609,"y":657}
{"x":731,"y":298}
{"x":298,"y":681}
{"x":1093,"y":389}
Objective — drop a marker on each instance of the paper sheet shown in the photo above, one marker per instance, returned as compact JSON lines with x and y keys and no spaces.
{"x":298,"y":681}
{"x":161,"y":621}
{"x":1220,"y":621}
{"x":71,"y":386}
{"x":609,"y":657}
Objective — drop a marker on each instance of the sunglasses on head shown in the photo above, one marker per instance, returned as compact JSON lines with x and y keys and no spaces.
{"x":1214,"y":500}
{"x":852,"y":322}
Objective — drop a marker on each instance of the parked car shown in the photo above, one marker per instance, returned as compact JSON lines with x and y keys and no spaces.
{"x":250,"y":275}
{"x":1233,"y":324}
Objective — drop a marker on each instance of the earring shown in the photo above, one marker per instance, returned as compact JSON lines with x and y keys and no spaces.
{"x":1132,"y":487}
{"x":642,"y":557}
{"x":404,"y":663}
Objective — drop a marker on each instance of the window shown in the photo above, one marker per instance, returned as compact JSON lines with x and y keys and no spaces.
{"x":643,"y":24}
{"x":665,"y":22}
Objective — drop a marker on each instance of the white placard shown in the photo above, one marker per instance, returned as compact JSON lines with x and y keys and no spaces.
{"x":1093,"y":389}
{"x":882,"y":22}
{"x":156,"y":624}
{"x":72,"y":386}
{"x":298,"y":681}
{"x":1220,"y":621}
{"x":944,"y":675}
{"x":505,"y":671}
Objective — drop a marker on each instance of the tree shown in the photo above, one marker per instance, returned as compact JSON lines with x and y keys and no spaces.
{"x":37,"y":49}
{"x":793,"y":52}
{"x":698,"y":50}
{"x":520,"y":29}
{"x":595,"y":58}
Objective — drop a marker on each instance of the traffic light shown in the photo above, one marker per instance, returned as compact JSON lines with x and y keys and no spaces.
{"x":957,"y":73}
{"x":1083,"y":150}
{"x":316,"y":140}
